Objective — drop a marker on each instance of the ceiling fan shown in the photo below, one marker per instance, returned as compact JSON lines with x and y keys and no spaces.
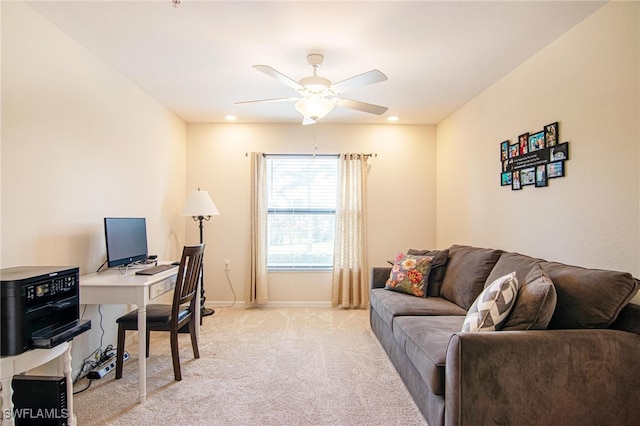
{"x":318,"y":95}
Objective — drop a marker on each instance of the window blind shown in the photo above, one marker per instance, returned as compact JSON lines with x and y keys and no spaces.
{"x":301,"y":200}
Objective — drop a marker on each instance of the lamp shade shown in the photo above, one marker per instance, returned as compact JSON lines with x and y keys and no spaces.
{"x":199,"y":203}
{"x":315,"y":108}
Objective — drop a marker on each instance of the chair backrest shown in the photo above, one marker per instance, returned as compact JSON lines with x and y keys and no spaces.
{"x":188,"y":276}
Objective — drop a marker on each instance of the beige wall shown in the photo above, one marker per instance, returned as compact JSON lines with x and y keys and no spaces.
{"x":80,"y":142}
{"x":401,"y":189}
{"x":588,"y":80}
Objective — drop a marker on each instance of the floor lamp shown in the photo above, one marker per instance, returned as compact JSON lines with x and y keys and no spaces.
{"x":200,"y":207}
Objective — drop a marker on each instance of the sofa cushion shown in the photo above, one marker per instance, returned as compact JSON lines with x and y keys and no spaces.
{"x":510,"y":262}
{"x":535,"y":303}
{"x":492,"y":307}
{"x":588,"y":298}
{"x":389,"y":304}
{"x":629,"y":318}
{"x":425,"y":340}
{"x":466,"y":273}
{"x":438,"y":267}
{"x":410,"y":274}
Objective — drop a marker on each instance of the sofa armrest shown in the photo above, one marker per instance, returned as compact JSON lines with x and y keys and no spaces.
{"x":567,"y":377}
{"x":379,"y":276}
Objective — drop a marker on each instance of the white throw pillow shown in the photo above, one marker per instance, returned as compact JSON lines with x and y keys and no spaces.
{"x":491,"y":308}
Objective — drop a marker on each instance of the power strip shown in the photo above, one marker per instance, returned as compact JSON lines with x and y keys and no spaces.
{"x":106,"y":367}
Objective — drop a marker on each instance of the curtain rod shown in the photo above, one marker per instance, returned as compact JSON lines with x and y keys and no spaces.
{"x":371,"y":154}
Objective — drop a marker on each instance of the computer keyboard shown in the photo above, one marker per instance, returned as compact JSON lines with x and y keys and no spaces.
{"x":155,"y":269}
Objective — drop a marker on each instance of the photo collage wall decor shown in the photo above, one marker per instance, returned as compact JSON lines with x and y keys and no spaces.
{"x":534,"y":158}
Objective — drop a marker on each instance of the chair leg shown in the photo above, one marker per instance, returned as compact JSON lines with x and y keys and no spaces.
{"x":194,"y":339}
{"x":148,"y":339}
{"x":175,"y":355}
{"x":120,"y":351}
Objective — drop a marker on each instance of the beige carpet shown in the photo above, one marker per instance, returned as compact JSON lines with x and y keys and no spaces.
{"x":290,"y":366}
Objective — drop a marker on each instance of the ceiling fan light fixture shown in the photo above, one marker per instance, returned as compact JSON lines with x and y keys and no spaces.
{"x":315,"y":108}
{"x":315,"y":85}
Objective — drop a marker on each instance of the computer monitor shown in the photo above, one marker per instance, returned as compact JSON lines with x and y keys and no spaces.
{"x":126,"y":239}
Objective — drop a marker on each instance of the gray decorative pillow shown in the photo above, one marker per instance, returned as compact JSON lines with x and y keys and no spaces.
{"x":492,"y":307}
{"x":535,"y":303}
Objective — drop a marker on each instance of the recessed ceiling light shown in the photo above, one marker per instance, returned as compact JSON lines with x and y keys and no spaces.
{"x":230,"y":117}
{"x":393,"y":118}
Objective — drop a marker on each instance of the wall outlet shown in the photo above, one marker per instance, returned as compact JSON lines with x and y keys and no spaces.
{"x":227,"y":265}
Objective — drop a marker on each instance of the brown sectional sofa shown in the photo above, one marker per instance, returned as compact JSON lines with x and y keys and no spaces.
{"x":583,"y":368}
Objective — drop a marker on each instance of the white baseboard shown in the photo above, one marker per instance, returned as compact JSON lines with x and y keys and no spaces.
{"x":272,"y":304}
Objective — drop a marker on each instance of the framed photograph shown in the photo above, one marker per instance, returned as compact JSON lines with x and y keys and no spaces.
{"x":555,"y":169}
{"x":541,"y":175}
{"x":504,"y":150}
{"x":559,"y":152}
{"x":536,"y":141}
{"x":523,"y":140}
{"x":551,"y":134}
{"x":528,"y":176}
{"x":514,"y":150}
{"x":505,"y":179}
{"x":515,"y":181}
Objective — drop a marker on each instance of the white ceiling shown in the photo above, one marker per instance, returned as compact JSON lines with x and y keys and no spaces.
{"x":197,"y":58}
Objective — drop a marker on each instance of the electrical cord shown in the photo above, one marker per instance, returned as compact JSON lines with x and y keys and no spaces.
{"x":96,"y":357}
{"x":125,"y":268}
{"x":98,"y":271}
{"x":232,"y":290}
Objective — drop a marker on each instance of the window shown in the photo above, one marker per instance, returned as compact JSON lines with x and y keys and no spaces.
{"x":301,"y":202}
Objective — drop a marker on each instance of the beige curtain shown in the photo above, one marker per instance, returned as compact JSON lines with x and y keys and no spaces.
{"x":350,"y":287}
{"x":259,"y":291}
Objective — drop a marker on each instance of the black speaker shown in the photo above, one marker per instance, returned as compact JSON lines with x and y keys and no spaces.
{"x":40,"y":401}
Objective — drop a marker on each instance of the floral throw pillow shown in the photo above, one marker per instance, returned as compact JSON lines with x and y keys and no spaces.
{"x":410,"y":274}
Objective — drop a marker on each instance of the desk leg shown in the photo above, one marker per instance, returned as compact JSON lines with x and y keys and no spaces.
{"x":142,"y":353}
{"x":7,"y":401}
{"x":66,"y":369}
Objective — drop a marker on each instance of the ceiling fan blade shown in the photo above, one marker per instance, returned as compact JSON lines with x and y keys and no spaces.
{"x":361,"y":80}
{"x":267,"y":101}
{"x":362,"y":106}
{"x":278,"y":76}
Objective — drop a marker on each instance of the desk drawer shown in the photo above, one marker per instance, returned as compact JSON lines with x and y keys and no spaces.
{"x":162,"y":287}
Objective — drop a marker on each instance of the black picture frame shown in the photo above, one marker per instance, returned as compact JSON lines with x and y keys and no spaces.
{"x":559,"y":152}
{"x":551,"y":134}
{"x":504,"y":150}
{"x":505,"y":178}
{"x":515,"y":181}
{"x":536,"y":141}
{"x":514,"y":150}
{"x":555,"y":169}
{"x":541,"y":175}
{"x":528,"y":176}
{"x":523,"y":141}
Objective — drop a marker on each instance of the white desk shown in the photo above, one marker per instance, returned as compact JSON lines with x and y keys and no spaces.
{"x":113,"y":287}
{"x":11,"y":365}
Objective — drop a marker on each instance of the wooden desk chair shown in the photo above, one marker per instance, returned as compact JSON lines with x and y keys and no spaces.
{"x":170,"y":317}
